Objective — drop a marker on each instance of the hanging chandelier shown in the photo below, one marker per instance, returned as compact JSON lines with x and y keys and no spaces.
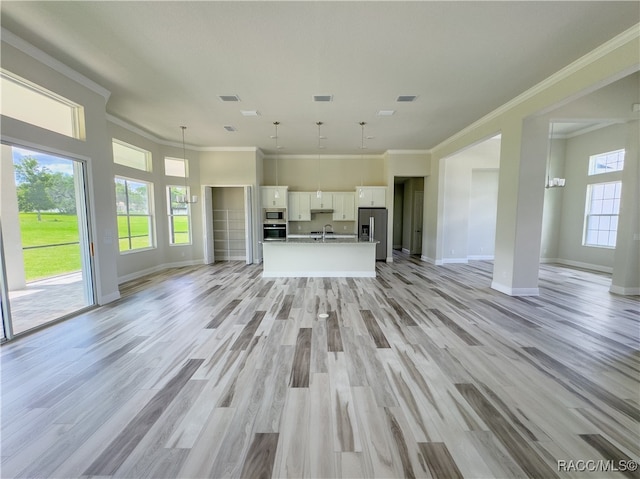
{"x":185,"y":199}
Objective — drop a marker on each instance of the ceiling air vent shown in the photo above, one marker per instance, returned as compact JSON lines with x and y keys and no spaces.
{"x":230,"y":128}
{"x":229,"y":97}
{"x":322,"y":97}
{"x":407,"y":98}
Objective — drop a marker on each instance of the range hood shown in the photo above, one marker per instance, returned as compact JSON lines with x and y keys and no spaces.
{"x":322,"y":210}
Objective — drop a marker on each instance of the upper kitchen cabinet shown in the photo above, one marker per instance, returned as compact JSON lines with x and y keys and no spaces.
{"x":325,"y":202}
{"x":344,"y":207}
{"x":372,"y":196}
{"x":274,"y":196}
{"x":299,"y":206}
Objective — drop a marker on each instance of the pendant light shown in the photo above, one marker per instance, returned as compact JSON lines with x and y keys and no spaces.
{"x":362,"y":147}
{"x":552,"y":182}
{"x":277,"y":192}
{"x":319,"y":191}
{"x":185,"y":199}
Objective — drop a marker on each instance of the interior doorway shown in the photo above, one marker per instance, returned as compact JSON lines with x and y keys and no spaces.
{"x":408,"y":205}
{"x":228,"y":223}
{"x":46,"y":261}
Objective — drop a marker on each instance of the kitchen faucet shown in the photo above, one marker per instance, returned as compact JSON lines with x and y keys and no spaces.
{"x":324,"y":230}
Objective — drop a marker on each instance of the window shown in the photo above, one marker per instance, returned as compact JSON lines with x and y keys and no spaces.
{"x":606,"y":162}
{"x":179,"y":215}
{"x":30,"y":103}
{"x":131,"y":156}
{"x":135,"y":221}
{"x":175,"y":167}
{"x":603,"y":207}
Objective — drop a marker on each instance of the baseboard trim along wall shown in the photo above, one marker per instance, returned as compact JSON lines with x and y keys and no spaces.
{"x":455,"y":260}
{"x":157,"y":268}
{"x":109,"y":298}
{"x":578,"y":264}
{"x":515,"y":291}
{"x":622,"y":291}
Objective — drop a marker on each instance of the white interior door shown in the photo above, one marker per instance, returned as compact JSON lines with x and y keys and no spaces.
{"x":418,"y":207}
{"x":207,"y":211}
{"x":248,"y":223}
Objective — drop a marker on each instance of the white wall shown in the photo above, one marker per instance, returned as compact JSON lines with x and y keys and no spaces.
{"x":578,"y":150}
{"x":133,"y":264}
{"x":95,"y":150}
{"x":522,"y":161}
{"x":458,"y":197}
{"x":483,"y":209}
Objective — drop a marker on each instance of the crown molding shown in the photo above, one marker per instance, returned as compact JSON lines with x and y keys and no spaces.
{"x":228,"y":148}
{"x":27,"y":48}
{"x":606,"y":48}
{"x":324,"y":157}
{"x":138,"y":131}
{"x":408,"y":152}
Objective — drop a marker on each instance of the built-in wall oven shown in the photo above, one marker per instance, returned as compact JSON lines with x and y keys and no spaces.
{"x":274,"y":231}
{"x":274,"y":224}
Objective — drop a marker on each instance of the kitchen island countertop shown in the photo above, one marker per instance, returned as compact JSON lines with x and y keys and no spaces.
{"x":312,"y":256}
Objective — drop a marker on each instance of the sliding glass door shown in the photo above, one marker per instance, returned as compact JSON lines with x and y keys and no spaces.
{"x":47,"y":248}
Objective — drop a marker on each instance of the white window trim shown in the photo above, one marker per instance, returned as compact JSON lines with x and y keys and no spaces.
{"x":151,"y":215}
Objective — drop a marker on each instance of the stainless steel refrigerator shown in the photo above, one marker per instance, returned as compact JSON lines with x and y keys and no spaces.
{"x":372,"y":226}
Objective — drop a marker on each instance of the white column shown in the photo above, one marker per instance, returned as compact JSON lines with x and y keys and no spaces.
{"x":520,"y":203}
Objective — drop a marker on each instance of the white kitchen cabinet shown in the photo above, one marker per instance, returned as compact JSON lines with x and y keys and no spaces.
{"x":372,"y":196}
{"x":299,"y":206}
{"x":344,"y":207}
{"x":274,"y":196}
{"x":325,"y":202}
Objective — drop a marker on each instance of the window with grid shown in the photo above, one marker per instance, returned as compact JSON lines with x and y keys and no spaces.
{"x":179,"y":215}
{"x":606,"y":162}
{"x":601,"y":219}
{"x":135,"y":218}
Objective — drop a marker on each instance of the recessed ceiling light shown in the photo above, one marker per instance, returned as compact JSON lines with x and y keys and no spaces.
{"x":229,"y":97}
{"x":386,"y":112}
{"x":230,"y":128}
{"x":407,"y":98}
{"x":250,"y":112}
{"x":322,"y":97}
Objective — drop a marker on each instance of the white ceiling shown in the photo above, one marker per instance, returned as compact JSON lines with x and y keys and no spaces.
{"x":166,"y":62}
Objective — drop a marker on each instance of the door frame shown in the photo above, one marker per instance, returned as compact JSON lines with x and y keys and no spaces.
{"x":85,"y":231}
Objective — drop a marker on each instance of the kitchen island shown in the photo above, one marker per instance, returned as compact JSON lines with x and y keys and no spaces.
{"x":331,"y":257}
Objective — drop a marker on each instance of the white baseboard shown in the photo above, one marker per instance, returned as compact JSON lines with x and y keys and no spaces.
{"x":578,"y":264}
{"x":389,"y":259}
{"x":621,"y":290}
{"x":426,"y":259}
{"x":406,"y":251}
{"x":480,"y":257}
{"x":455,"y":260}
{"x":109,"y":298}
{"x":157,"y":268}
{"x":514,"y":291}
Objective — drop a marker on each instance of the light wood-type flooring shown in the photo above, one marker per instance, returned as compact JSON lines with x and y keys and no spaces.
{"x":424,"y":371}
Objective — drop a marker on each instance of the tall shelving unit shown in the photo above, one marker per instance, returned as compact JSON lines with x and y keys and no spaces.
{"x":229,"y":235}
